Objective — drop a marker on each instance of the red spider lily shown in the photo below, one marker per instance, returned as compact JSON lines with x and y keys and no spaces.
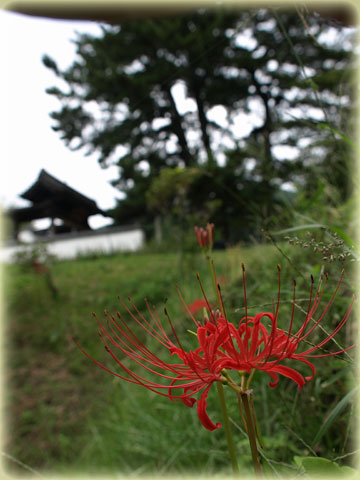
{"x":222,"y":347}
{"x":205,"y":237}
{"x":197,"y":371}
{"x":253,"y":346}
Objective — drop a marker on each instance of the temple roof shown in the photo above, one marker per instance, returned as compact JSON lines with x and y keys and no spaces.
{"x":54,"y":199}
{"x":48,"y":186}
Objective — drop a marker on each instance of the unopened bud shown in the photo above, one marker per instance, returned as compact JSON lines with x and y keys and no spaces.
{"x":205,"y":236}
{"x":210,"y":230}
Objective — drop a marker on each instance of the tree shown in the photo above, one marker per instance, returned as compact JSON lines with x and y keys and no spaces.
{"x":267,"y":65}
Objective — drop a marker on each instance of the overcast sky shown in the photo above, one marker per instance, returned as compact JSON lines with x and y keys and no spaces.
{"x":28,"y":143}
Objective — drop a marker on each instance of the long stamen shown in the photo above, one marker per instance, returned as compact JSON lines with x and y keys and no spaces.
{"x":156,"y":320}
{"x":221,"y":300}
{"x":216,"y":284}
{"x":312,"y":308}
{"x":337,"y":329}
{"x":274,"y":322}
{"x":291,"y":321}
{"x":244,"y":286}
{"x":195,"y":370}
{"x":136,"y":378}
{"x":326,"y":309}
{"x":228,"y":328}
{"x":318,"y":300}
{"x":299,"y":333}
{"x":246,"y":336}
{"x":187,"y":308}
{"x":311,"y":292}
{"x":213,"y":317}
{"x":173,"y":329}
{"x":142,"y":317}
{"x":278,"y":299}
{"x":144,"y":324}
{"x":147,"y":356}
{"x":283,"y":353}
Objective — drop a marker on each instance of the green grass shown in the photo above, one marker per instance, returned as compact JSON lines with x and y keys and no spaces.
{"x":65,"y":415}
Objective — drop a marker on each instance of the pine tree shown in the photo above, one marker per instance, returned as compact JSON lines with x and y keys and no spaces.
{"x":270,"y":65}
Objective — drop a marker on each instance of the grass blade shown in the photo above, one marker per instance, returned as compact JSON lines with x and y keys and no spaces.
{"x":334,"y":414}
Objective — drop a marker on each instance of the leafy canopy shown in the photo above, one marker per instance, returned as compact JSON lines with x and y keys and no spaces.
{"x":269,"y":74}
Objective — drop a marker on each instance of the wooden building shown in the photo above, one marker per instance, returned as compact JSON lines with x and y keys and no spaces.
{"x":55,"y":200}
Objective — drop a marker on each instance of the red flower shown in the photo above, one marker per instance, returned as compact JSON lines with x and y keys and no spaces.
{"x":195,"y":373}
{"x":255,"y":346}
{"x":222,"y":347}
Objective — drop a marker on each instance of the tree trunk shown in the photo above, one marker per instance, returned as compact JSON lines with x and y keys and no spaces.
{"x":158,"y":230}
{"x":176,"y":120}
{"x":196,"y":89}
{"x":266,"y":129}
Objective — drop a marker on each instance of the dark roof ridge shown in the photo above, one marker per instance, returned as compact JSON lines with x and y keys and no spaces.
{"x":46,"y":181}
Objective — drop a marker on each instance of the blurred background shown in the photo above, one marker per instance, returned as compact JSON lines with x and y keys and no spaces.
{"x":124,"y":129}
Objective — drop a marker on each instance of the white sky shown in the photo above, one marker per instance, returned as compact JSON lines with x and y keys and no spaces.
{"x":28,"y":143}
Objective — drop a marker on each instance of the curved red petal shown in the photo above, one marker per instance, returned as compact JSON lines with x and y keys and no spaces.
{"x":290,"y":373}
{"x":202,"y":414}
{"x":307,"y":362}
{"x":275,"y":378}
{"x":188,"y":401}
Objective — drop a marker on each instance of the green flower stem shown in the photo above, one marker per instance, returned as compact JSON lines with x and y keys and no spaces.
{"x":251,"y":432}
{"x":229,"y":438}
{"x":250,"y":378}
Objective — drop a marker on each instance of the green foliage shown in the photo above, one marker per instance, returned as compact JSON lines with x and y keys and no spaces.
{"x":317,"y":466}
{"x":65,"y":415}
{"x":168,"y":192}
{"x":31,"y":253}
{"x":227,"y":58}
{"x":333,"y":414}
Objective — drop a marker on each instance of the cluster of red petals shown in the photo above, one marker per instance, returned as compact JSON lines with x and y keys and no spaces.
{"x":255,"y":346}
{"x":255,"y":343}
{"x":205,"y":236}
{"x":181,"y":380}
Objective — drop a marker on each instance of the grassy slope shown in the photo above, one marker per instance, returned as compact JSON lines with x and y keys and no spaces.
{"x":67,"y":415}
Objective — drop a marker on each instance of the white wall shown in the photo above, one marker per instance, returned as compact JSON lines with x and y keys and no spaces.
{"x":112,"y":240}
